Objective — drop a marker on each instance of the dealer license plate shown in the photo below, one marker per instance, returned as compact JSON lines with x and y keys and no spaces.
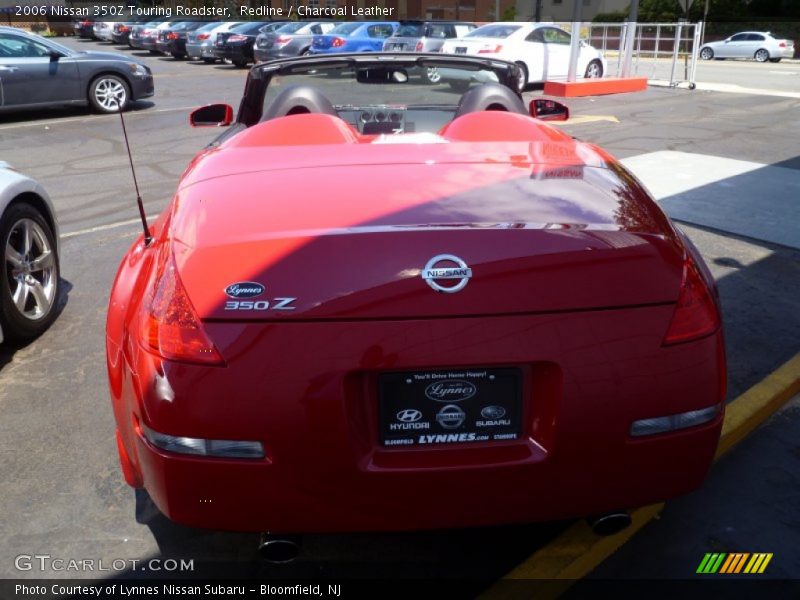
{"x":450,"y":406}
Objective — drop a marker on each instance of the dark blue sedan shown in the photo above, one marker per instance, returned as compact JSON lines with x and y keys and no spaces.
{"x":355,"y":36}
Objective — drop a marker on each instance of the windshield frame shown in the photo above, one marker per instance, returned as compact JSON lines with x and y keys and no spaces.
{"x":251,"y":106}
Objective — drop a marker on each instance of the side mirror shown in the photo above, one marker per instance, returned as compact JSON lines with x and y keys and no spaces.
{"x":54,"y":55}
{"x":212,"y":115}
{"x":548,"y":110}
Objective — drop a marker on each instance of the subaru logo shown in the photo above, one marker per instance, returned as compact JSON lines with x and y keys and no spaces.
{"x":244,"y":289}
{"x":409,"y":415}
{"x":450,"y":390}
{"x":450,"y":417}
{"x":446,"y":266}
{"x":493,"y":412}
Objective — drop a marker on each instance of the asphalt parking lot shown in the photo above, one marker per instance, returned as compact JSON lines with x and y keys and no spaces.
{"x":64,"y":494}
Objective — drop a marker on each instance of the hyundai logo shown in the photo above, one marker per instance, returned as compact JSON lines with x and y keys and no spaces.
{"x":446,"y":266}
{"x":409,"y":415}
{"x":493,"y":412}
{"x":450,"y":417}
{"x":244,"y":289}
{"x":450,"y":390}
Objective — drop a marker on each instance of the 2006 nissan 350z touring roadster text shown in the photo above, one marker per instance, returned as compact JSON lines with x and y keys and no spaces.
{"x":376,"y":303}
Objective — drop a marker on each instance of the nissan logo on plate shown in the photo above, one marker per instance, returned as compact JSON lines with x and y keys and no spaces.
{"x":409,"y":415}
{"x":450,"y":417}
{"x":446,"y":266}
{"x":244,"y":289}
{"x":450,"y":390}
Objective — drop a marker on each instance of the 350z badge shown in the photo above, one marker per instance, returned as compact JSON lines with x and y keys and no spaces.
{"x":250,"y":289}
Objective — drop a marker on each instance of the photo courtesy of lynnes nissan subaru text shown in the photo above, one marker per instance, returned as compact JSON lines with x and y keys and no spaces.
{"x":370,"y":285}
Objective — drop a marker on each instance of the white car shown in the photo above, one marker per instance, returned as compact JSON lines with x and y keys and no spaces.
{"x":103,"y":29}
{"x":29,"y":280}
{"x":760,"y":45}
{"x":541,"y":50}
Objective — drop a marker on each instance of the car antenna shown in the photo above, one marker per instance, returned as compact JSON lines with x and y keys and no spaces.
{"x":148,"y":238}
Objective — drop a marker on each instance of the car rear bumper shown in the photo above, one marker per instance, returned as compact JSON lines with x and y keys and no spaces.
{"x":200,"y":50}
{"x":235,"y":53}
{"x":266,"y":54}
{"x":313,"y":406}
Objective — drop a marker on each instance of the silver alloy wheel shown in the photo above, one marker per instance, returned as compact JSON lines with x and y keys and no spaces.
{"x":31,"y":267}
{"x":706,"y":54}
{"x":594,"y":70}
{"x":762,"y":55}
{"x":110,"y":94}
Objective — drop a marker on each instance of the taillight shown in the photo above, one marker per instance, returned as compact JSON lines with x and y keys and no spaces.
{"x":696,"y":312}
{"x":337,"y":42}
{"x":490,"y":49}
{"x":237,"y":38}
{"x":419,"y":47}
{"x":283,"y":39}
{"x":203,"y":36}
{"x":123,"y":28}
{"x":173,"y":36}
{"x":170,"y":326}
{"x":782,"y":45}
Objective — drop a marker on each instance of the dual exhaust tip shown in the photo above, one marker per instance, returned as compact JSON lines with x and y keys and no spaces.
{"x":282,"y":549}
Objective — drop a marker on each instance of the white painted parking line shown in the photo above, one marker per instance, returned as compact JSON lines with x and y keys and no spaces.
{"x":738,"y":89}
{"x":128,"y":115}
{"x":745,"y":198}
{"x":105,"y":227}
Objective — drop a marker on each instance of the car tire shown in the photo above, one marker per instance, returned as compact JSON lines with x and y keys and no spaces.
{"x":240,"y":63}
{"x":706,"y":53}
{"x":761,"y":55}
{"x":208,"y":60}
{"x":38,"y":307}
{"x":774,"y":60}
{"x":178,"y":56}
{"x":522,"y":80}
{"x":306,"y":52}
{"x":104,"y":89}
{"x":594,"y":70}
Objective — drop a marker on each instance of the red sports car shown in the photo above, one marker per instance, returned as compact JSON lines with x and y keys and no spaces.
{"x":377,"y":303}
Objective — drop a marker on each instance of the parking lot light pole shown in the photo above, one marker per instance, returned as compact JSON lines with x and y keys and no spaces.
{"x":575,"y":40}
{"x":630,"y":38}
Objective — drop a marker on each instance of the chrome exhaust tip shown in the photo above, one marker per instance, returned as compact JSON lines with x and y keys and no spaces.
{"x":278,"y":549}
{"x":609,"y":523}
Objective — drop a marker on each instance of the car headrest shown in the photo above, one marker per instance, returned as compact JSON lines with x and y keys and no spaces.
{"x":490,"y":96}
{"x":297,"y":100}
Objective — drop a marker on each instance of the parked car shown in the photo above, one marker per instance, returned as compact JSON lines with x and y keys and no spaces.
{"x":380,"y":286}
{"x":172,"y":40}
{"x":236,"y":44}
{"x":102,"y":30}
{"x":541,"y":50}
{"x":145,"y":37}
{"x":84,"y":28}
{"x":121,"y":31}
{"x":29,"y":279}
{"x":759,"y":45}
{"x":36,"y":72}
{"x":200,"y":42}
{"x":355,"y":36}
{"x":292,"y":39}
{"x":426,"y":36}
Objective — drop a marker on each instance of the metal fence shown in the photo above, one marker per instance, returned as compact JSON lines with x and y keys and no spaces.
{"x":665,"y":52}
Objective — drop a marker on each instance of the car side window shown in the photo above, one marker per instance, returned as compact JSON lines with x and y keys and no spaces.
{"x":535,"y":36}
{"x":379,"y":31}
{"x":437,"y":30}
{"x":13,"y":46}
{"x":754,"y":37}
{"x":739,"y":37}
{"x":555,"y":36}
{"x":316,"y":29}
{"x":462,"y":30}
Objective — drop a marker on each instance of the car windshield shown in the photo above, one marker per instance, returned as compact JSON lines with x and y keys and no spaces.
{"x":290,"y":27}
{"x":409,"y":95}
{"x":494,"y":30}
{"x":410,"y":30}
{"x":209,"y":26}
{"x":344,"y":28}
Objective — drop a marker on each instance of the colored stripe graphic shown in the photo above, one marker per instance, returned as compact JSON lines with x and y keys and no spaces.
{"x":759,"y":562}
{"x":734,"y":563}
{"x":711,"y":563}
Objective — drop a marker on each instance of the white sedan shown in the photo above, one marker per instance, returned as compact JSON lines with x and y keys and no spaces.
{"x":760,"y":45}
{"x":541,"y":50}
{"x":29,"y":280}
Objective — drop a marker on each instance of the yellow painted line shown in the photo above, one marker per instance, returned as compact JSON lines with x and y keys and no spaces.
{"x":577,"y":552}
{"x":587,"y":119}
